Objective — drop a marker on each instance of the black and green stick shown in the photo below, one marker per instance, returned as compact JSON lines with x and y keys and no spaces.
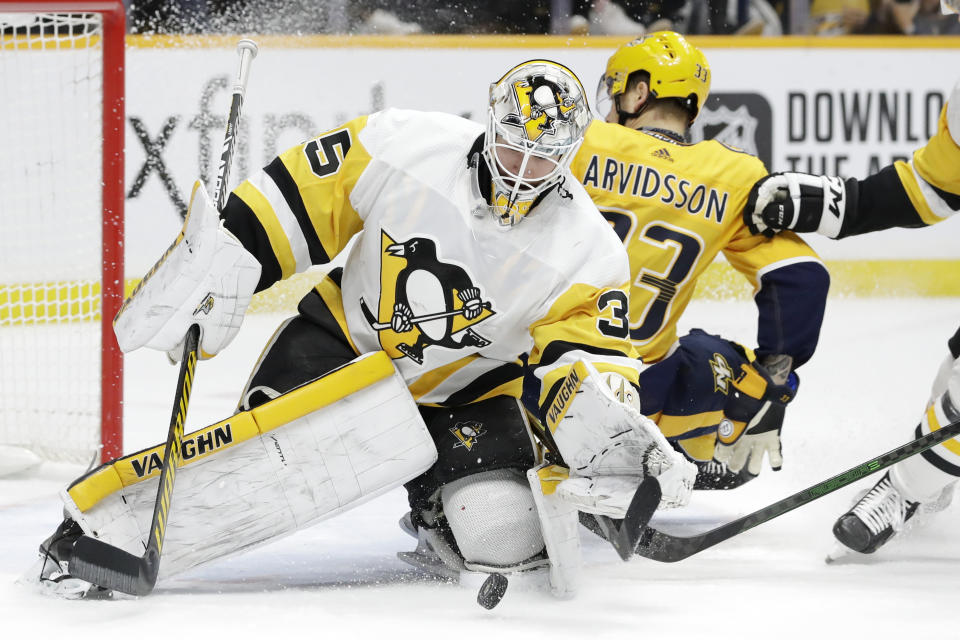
{"x":664,"y":547}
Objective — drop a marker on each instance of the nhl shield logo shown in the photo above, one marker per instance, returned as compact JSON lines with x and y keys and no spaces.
{"x":743,"y":121}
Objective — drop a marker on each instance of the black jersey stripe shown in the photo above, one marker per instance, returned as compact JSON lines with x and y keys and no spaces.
{"x":314,"y":308}
{"x":936,"y":460}
{"x":240,"y":220}
{"x":881,"y":203}
{"x":336,"y":275}
{"x":291,"y":193}
{"x":952,"y":200}
{"x":558,"y":348}
{"x":484,"y":384}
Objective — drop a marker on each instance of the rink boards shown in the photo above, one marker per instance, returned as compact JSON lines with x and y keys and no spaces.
{"x":843,"y":106}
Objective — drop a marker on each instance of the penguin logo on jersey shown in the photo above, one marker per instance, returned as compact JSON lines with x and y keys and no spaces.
{"x":540,"y":104}
{"x":467,"y":433}
{"x":425,"y":301}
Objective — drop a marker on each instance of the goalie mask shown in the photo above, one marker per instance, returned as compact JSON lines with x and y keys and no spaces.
{"x":538,"y":113}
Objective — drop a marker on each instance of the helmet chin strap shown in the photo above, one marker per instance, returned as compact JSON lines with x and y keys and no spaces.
{"x":623,"y":116}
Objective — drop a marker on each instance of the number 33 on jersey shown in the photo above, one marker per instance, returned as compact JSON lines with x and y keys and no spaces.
{"x":675,"y":206}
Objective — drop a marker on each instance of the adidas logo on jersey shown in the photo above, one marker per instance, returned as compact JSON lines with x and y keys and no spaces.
{"x":663,"y":154}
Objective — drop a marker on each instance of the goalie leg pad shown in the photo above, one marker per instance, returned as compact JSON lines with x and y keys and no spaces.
{"x":559,"y":526}
{"x":302,"y":457}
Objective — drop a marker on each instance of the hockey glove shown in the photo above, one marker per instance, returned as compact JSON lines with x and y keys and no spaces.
{"x":206,"y":277}
{"x":761,"y":437}
{"x":610,"y":446}
{"x":796,"y":201}
{"x":754,"y":417}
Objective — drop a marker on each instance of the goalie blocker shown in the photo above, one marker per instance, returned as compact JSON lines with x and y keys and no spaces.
{"x":302,"y":457}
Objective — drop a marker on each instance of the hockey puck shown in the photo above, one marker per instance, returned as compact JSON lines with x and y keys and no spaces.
{"x":492,"y":590}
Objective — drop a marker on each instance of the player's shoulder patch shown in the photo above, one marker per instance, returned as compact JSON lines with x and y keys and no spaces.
{"x":730,"y":154}
{"x":733,"y":148}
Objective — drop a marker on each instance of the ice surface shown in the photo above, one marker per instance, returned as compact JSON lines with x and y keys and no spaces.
{"x":859,"y":397}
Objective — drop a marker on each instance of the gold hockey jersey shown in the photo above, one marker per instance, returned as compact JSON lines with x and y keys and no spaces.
{"x":431,"y":278}
{"x":676,"y":206}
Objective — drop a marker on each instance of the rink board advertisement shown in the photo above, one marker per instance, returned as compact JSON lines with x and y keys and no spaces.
{"x":842,"y":109}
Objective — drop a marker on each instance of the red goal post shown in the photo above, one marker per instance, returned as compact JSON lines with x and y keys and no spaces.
{"x":33,"y":35}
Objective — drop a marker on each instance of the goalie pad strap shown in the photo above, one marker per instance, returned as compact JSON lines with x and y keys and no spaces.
{"x":559,"y":525}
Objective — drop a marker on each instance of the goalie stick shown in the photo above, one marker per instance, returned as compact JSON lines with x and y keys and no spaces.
{"x":664,"y":547}
{"x":625,"y":534}
{"x":629,"y":533}
{"x":103,"y":564}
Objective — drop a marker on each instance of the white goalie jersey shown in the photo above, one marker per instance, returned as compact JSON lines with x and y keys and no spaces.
{"x":433,"y":279}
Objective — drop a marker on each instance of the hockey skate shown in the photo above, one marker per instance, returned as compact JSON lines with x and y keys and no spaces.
{"x":427,"y":555}
{"x":879,"y":515}
{"x":50,"y":573}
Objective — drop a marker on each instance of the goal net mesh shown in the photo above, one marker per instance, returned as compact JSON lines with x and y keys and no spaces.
{"x":51,"y":216}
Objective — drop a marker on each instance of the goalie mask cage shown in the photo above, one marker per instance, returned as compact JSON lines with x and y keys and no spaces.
{"x":61,"y":227}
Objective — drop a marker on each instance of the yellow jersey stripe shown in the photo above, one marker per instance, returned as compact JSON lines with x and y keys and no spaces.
{"x":432,"y":379}
{"x":934,"y":424}
{"x":279,"y":241}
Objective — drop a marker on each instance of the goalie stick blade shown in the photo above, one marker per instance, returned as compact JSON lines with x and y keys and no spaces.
{"x":626,"y":537}
{"x":107,"y":566}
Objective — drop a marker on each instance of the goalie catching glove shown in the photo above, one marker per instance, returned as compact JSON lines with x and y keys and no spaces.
{"x":799,"y":202}
{"x":206,"y":277}
{"x":610,"y":446}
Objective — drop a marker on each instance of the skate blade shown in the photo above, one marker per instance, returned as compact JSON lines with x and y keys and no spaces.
{"x":843,"y":555}
{"x":429,"y":564}
{"x":837,"y":553}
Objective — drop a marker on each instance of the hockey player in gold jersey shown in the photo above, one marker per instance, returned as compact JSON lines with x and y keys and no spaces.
{"x":471,"y":247}
{"x":676,"y":206}
{"x":922,"y":191}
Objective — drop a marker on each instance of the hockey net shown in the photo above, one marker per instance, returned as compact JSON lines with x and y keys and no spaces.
{"x":61,"y":227}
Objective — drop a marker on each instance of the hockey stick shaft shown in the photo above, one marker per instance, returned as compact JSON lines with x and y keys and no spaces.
{"x":107,"y":566}
{"x":248,"y":51}
{"x":103,"y":564}
{"x":664,"y":547}
{"x":379,"y":326}
{"x":626,"y":536}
